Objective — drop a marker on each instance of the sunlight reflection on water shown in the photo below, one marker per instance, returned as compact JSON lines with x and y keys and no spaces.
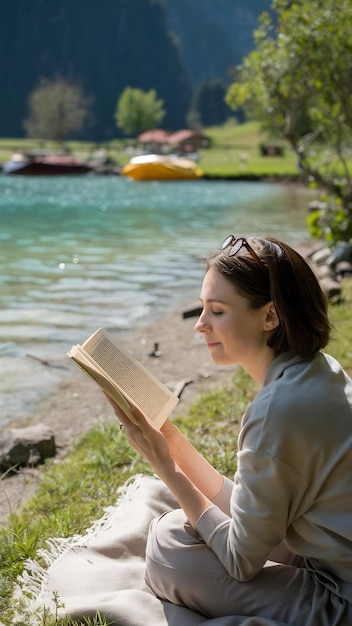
{"x":83,"y":252}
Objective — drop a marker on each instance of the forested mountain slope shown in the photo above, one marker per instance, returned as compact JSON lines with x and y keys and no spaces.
{"x":168,"y":45}
{"x":214,"y":34}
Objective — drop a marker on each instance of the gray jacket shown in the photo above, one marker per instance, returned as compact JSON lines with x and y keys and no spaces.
{"x":294,"y":476}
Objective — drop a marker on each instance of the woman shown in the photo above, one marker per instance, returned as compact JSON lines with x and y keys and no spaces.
{"x":277,"y":542}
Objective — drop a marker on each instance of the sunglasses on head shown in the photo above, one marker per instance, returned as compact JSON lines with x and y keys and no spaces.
{"x":236,"y":243}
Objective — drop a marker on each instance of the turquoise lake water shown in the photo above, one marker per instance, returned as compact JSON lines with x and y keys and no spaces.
{"x":82,"y":252}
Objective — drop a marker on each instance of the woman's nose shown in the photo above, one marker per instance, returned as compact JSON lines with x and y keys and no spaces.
{"x":201,"y":324}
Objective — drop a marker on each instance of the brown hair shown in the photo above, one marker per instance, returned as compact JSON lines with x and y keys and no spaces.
{"x":287,"y":279}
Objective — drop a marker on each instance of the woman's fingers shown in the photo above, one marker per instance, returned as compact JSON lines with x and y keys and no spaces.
{"x":115,"y":406}
{"x":138,"y":419}
{"x":142,"y":435}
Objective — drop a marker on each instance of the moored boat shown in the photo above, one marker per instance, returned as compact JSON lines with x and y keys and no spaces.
{"x":160,"y":167}
{"x":31,"y":164}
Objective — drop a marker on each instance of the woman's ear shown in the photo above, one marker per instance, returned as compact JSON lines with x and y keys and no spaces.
{"x":271,"y":320}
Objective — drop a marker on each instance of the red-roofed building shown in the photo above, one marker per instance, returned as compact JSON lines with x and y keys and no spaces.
{"x":154,"y":140}
{"x":188,"y":141}
{"x":183,"y":141}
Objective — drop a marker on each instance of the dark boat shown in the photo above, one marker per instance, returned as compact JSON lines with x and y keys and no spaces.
{"x":29,"y":164}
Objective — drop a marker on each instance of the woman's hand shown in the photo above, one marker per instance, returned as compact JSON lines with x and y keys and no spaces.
{"x":143,"y":437}
{"x":168,"y":448}
{"x":179,"y":465}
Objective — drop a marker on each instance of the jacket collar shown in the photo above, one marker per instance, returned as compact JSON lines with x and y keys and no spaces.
{"x":280,"y":363}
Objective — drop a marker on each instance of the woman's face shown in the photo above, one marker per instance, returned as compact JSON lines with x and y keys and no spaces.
{"x":234,"y":333}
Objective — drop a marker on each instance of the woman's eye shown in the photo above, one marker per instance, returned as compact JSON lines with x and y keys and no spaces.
{"x":218,"y":312}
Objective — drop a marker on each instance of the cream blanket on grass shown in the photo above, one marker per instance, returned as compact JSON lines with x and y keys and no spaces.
{"x":103,"y":571}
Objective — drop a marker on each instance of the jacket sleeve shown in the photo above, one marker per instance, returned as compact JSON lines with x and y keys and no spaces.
{"x":266,"y":494}
{"x":223,"y":498}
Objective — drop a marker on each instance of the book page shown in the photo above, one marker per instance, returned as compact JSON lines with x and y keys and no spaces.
{"x":88,"y":366}
{"x":135,"y":382}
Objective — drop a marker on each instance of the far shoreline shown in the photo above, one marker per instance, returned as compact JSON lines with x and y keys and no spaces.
{"x":256,"y":178}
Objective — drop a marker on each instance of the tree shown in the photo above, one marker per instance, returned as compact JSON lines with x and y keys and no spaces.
{"x":138,"y":111}
{"x":298,"y":79}
{"x":57,"y":109}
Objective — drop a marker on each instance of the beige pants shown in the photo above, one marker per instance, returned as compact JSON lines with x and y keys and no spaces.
{"x":184,"y":571}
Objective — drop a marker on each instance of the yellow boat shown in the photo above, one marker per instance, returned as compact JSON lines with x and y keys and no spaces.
{"x":159,"y":167}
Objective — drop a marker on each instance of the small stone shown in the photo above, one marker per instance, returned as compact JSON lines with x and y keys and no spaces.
{"x":26,"y":446}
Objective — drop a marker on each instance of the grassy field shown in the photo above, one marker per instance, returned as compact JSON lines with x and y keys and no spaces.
{"x":72,"y":493}
{"x":235,"y":150}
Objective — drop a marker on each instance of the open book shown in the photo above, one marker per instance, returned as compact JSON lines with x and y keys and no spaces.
{"x":123,"y":378}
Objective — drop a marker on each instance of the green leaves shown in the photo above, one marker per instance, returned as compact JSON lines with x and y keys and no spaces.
{"x":138,"y":110}
{"x":298,"y":81}
{"x":331,"y":222}
{"x":57,"y":108}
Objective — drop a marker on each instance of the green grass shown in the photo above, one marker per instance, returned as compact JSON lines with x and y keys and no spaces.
{"x":235,"y":150}
{"x":74,"y":492}
{"x":340,"y":345}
